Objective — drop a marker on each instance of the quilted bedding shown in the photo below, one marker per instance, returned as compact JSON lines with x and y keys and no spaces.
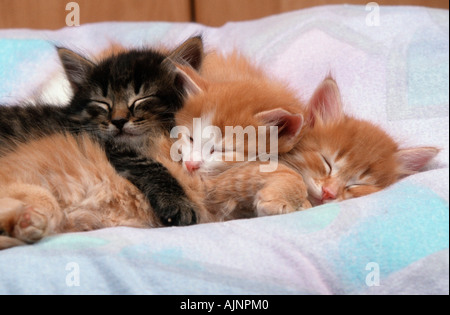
{"x":394,"y":72}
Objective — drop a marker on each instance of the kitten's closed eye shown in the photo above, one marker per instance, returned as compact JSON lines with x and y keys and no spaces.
{"x":351,"y":186}
{"x":100,"y":104}
{"x":329,"y":169}
{"x":144,"y":100}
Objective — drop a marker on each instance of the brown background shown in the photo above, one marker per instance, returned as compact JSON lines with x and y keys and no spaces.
{"x":51,"y":14}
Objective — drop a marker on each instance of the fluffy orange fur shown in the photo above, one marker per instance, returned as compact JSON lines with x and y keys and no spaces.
{"x":243,"y":191}
{"x":341,"y":157}
{"x":60,"y":184}
{"x":64,"y":183}
{"x":338,"y":157}
{"x":240,"y":191}
{"x":231,"y":91}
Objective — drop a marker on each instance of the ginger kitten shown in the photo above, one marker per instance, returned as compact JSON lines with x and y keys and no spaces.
{"x":341,"y":157}
{"x":64,"y":183}
{"x":336,"y":156}
{"x":230,"y":92}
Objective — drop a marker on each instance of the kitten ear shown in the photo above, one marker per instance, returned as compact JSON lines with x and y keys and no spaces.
{"x":183,"y":60}
{"x":76,"y":67}
{"x":414,"y":159}
{"x":191,"y":52}
{"x":289,"y":126}
{"x":325,"y":104}
{"x":191,"y":82}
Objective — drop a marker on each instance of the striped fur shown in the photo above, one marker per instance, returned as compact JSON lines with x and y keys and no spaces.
{"x":120,"y":105}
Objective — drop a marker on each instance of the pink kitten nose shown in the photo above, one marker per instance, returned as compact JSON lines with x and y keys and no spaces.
{"x":192,"y":166}
{"x":328,"y":194}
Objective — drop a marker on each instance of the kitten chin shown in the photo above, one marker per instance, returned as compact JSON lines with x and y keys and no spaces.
{"x":138,"y":143}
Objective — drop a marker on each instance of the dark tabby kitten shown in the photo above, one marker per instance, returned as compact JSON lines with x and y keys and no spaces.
{"x":123,"y":102}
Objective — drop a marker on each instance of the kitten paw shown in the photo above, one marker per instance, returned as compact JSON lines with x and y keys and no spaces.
{"x":272,"y":207}
{"x":178,"y":212}
{"x":21,"y":221}
{"x":31,"y":225}
{"x":283,"y":192}
{"x":270,"y":203}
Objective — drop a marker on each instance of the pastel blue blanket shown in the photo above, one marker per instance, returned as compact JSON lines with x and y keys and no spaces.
{"x":394,"y":72}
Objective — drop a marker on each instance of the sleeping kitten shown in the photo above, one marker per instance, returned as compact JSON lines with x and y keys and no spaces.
{"x":63,"y":183}
{"x":338,"y":157}
{"x":233,"y":190}
{"x":126,"y":97}
{"x":341,"y":157}
{"x":123,"y":102}
{"x":231,"y":92}
{"x":43,"y":191}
